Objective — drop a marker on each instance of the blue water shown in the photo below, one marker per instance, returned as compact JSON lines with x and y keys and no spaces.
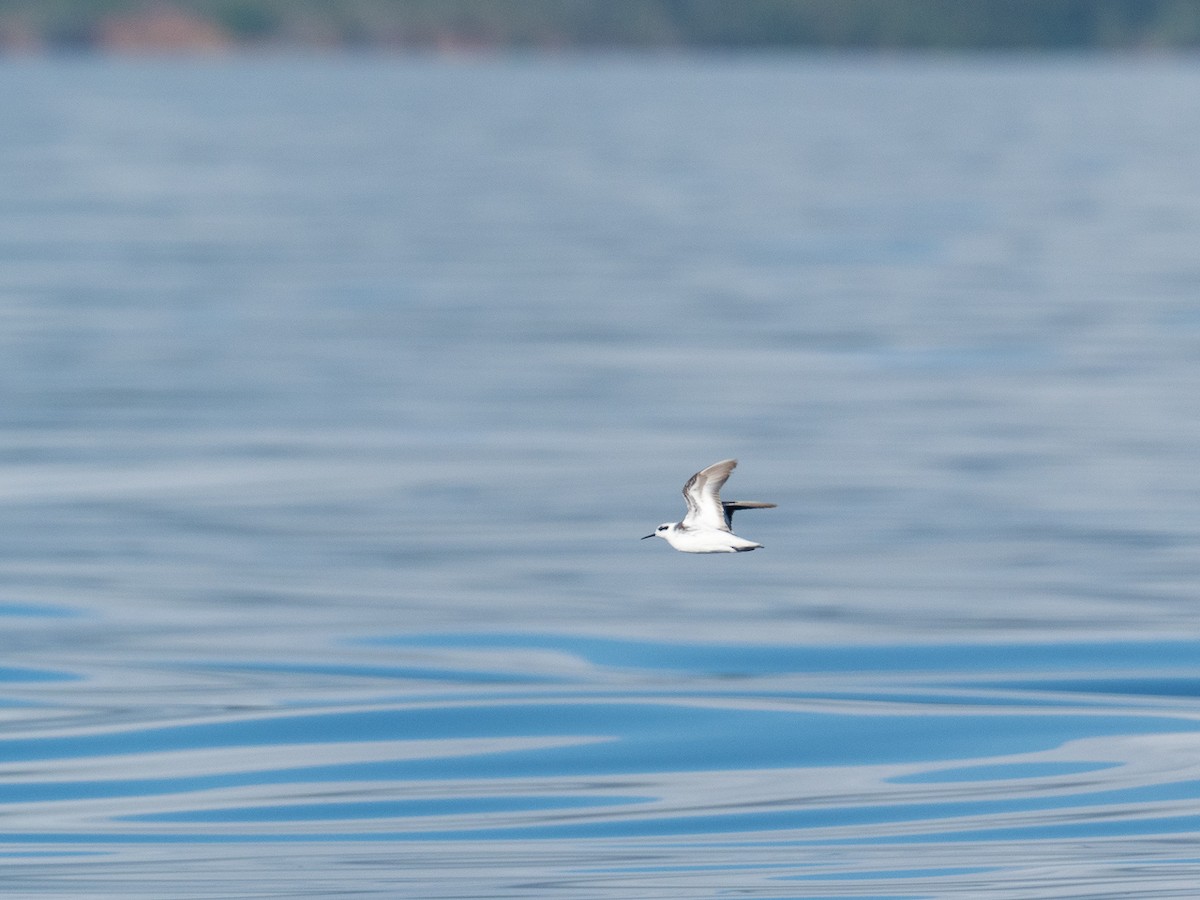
{"x":338,"y":392}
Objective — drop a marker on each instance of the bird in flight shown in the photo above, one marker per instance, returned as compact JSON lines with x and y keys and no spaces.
{"x":707,"y":527}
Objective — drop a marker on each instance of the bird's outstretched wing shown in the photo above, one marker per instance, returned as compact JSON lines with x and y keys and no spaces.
{"x":730,"y":506}
{"x":703,"y":495}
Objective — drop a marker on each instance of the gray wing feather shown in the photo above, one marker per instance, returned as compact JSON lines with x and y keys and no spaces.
{"x":703,"y":495}
{"x":730,"y":506}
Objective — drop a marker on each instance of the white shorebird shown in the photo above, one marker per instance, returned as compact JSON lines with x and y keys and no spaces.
{"x":707,"y":526}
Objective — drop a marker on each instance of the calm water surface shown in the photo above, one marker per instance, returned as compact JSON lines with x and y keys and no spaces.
{"x":337,"y":394}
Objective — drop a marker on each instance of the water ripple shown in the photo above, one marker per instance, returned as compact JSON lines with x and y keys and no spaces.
{"x":846,"y":753}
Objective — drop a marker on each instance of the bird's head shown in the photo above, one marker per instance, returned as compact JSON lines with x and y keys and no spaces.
{"x":662,"y":530}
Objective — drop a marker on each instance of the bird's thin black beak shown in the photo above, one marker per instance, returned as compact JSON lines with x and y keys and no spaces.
{"x":651,"y":534}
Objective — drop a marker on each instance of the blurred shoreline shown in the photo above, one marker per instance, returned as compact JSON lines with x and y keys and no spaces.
{"x":470,"y":27}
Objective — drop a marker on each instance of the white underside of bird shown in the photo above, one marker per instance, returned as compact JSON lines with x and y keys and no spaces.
{"x":708,"y":525}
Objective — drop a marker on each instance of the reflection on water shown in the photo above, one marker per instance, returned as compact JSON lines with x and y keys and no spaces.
{"x":338,"y":394}
{"x":831,"y":765}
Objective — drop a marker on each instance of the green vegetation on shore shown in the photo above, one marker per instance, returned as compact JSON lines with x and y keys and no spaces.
{"x":564,"y":24}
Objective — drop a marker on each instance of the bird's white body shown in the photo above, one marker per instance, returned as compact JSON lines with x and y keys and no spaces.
{"x":704,"y":540}
{"x":707,"y":527}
